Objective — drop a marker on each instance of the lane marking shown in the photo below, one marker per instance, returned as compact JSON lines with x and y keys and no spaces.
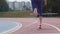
{"x":30,"y":24}
{"x":58,"y":29}
{"x":52,"y":26}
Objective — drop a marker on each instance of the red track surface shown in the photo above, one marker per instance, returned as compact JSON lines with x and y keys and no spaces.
{"x":29,"y":28}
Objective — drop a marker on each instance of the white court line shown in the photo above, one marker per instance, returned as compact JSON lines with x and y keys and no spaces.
{"x":53,"y":26}
{"x":30,"y":24}
{"x":19,"y":25}
{"x":45,"y":24}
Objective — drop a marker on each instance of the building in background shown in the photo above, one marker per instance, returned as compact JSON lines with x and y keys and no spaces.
{"x":20,"y":5}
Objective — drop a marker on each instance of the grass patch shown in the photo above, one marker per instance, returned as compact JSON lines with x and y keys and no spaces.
{"x":16,"y":14}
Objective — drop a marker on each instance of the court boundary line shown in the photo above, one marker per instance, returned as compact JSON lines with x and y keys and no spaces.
{"x":19,"y":25}
{"x":53,"y":26}
{"x":58,"y":29}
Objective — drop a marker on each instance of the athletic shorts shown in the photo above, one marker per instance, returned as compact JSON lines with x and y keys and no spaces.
{"x":37,"y":4}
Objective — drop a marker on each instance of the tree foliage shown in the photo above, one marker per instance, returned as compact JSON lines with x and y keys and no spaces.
{"x":3,"y":6}
{"x":54,"y":5}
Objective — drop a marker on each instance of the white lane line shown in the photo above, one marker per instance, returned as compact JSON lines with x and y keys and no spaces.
{"x":30,"y":24}
{"x":45,"y":24}
{"x":52,"y":26}
{"x":19,"y":25}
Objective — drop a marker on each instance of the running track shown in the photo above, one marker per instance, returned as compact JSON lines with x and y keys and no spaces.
{"x":30,"y":25}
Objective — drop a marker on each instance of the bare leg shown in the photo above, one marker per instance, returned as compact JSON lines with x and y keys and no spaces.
{"x":40,"y":20}
{"x":35,"y":12}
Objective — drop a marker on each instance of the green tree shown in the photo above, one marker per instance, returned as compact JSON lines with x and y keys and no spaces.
{"x":3,"y":6}
{"x":54,"y":5}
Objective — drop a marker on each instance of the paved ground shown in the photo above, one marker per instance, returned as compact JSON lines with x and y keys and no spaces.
{"x":30,"y":25}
